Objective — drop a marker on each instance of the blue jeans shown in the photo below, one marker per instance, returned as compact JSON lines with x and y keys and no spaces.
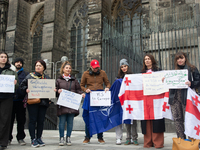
{"x":87,"y":134}
{"x":62,"y":119}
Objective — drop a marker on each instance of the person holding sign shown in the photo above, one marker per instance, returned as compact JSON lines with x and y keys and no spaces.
{"x":178,"y":97}
{"x":131,"y":129}
{"x":36,"y":111}
{"x":6,"y":99}
{"x":153,"y":130}
{"x":92,"y":80}
{"x":67,"y":82}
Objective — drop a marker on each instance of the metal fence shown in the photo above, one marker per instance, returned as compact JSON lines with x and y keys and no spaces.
{"x":161,"y":32}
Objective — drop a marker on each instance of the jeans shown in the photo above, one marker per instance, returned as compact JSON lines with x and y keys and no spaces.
{"x":87,"y":133}
{"x":36,"y":115}
{"x":69,"y":118}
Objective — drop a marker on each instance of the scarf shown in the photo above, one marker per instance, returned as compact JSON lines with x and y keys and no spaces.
{"x":66,"y":77}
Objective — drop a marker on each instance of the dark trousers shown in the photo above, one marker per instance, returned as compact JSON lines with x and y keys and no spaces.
{"x":5,"y":120}
{"x":36,"y":116}
{"x":87,"y":133}
{"x":20,"y":112}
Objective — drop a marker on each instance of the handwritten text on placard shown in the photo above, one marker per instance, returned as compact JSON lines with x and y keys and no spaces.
{"x":69,"y":99}
{"x":7,"y":83}
{"x":152,"y":84}
{"x":41,"y":88}
{"x":100,"y":98}
{"x":175,"y":79}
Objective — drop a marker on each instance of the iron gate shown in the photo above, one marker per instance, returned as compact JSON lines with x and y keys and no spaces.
{"x":161,"y":32}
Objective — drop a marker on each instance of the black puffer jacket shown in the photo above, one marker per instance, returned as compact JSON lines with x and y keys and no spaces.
{"x":34,"y":75}
{"x":194,"y":84}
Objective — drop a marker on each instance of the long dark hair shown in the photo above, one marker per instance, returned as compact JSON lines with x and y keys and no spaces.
{"x":180,"y":55}
{"x":121,"y":74}
{"x":153,"y":61}
{"x":7,"y":57}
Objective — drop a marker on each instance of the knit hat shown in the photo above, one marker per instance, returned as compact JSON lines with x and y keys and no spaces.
{"x":18,"y":59}
{"x":123,"y":62}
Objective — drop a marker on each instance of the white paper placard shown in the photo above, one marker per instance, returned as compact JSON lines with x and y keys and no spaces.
{"x":100,"y":98}
{"x":7,"y":83}
{"x":153,"y":85}
{"x":41,"y":88}
{"x":69,"y":99}
{"x":175,"y":79}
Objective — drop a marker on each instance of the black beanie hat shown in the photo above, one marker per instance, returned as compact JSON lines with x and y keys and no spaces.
{"x":18,"y":59}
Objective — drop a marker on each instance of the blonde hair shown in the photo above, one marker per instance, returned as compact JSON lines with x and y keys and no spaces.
{"x":63,"y":66}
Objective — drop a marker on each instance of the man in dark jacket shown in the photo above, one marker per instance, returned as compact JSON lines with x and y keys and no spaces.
{"x":18,"y":106}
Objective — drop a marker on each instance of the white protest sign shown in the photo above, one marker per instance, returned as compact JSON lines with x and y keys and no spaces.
{"x":41,"y":88}
{"x":175,"y":79}
{"x":100,"y":98}
{"x":152,"y":84}
{"x":69,"y":99}
{"x":7,"y":83}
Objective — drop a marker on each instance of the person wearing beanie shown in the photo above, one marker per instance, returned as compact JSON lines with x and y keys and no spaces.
{"x":131,"y":125}
{"x":18,"y":106}
{"x":92,"y":80}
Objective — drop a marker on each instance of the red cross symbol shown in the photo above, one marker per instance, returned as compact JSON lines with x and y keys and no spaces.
{"x":129,"y":109}
{"x":198,"y":130}
{"x":165,"y":106}
{"x":196,"y":100}
{"x":127,"y":81}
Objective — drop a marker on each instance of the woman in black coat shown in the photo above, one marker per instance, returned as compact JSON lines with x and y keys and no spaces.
{"x":153,"y":130}
{"x":36,"y":111}
{"x":177,"y":97}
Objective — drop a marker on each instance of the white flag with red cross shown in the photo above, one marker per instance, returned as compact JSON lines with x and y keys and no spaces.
{"x":166,"y":109}
{"x":192,"y":115}
{"x":138,"y":106}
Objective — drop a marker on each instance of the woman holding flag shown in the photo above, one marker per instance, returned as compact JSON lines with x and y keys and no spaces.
{"x":178,"y":97}
{"x":68,"y":82}
{"x":153,"y":130}
{"x":131,"y":129}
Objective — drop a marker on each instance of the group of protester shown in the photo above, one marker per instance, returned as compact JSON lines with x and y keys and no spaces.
{"x":92,"y":80}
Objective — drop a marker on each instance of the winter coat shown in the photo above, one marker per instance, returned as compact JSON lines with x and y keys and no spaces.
{"x":24,"y":86}
{"x":158,"y":125}
{"x":61,"y":83}
{"x":194,"y":84}
{"x":9,"y":70}
{"x":94,"y":82}
{"x":19,"y":95}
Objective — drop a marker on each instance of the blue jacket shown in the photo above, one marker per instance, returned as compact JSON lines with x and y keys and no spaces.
{"x":19,"y":95}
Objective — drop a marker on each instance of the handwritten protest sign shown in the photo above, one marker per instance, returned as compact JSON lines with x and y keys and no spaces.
{"x":7,"y":83}
{"x":100,"y":98}
{"x":69,"y":99}
{"x":175,"y":79}
{"x":152,"y":84}
{"x":41,"y":88}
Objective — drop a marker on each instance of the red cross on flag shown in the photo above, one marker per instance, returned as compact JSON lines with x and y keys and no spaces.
{"x":166,"y":109}
{"x":192,"y":115}
{"x":137,"y":106}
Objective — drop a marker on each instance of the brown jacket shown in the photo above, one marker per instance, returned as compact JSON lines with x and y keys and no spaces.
{"x":94,"y":82}
{"x":75,"y":87}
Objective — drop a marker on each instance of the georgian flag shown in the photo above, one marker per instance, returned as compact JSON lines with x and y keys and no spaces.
{"x":137,"y":106}
{"x":192,"y":115}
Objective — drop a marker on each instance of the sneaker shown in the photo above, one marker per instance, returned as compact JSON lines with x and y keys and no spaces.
{"x":101,"y":141}
{"x":9,"y":142}
{"x":118,"y":142}
{"x":86,"y":141}
{"x":40,"y":142}
{"x":128,"y":142}
{"x":68,"y":141}
{"x":22,"y":142}
{"x":35,"y":143}
{"x":62,"y":141}
{"x":135,"y":142}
